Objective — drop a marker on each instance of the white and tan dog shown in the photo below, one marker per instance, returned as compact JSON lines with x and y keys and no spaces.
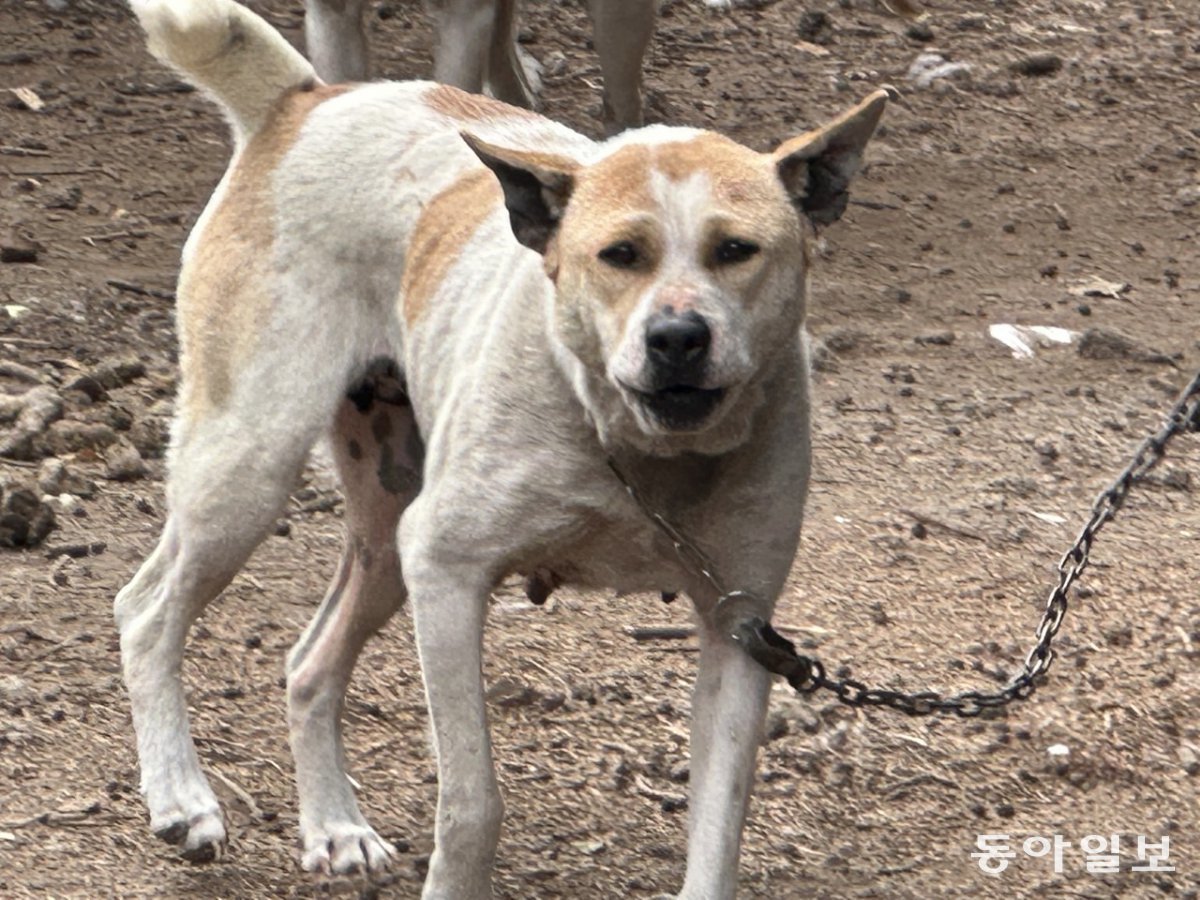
{"x":478,"y":307}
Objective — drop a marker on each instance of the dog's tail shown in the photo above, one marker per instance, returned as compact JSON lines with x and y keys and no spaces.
{"x":221,"y":46}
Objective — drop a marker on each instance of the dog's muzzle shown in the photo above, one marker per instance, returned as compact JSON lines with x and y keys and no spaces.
{"x":677,"y":350}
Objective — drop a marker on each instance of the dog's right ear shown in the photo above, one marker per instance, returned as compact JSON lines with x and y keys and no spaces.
{"x":536,"y":188}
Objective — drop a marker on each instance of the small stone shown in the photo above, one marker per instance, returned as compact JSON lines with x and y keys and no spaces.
{"x":1038,"y":64}
{"x":1188,"y":196}
{"x":1046,"y":450}
{"x":14,"y":370}
{"x":777,"y":727}
{"x":40,"y":407}
{"x":937,"y":339}
{"x":815,"y":27}
{"x":72,"y":436}
{"x":920,"y":32}
{"x":55,"y":478}
{"x":18,"y":250}
{"x":511,"y":694}
{"x":919,"y":531}
{"x":151,"y":435}
{"x":673,"y":804}
{"x":68,"y":199}
{"x":898,"y":295}
{"x":25,"y":519}
{"x":125,"y":463}
{"x":14,"y":691}
{"x":1100,"y":343}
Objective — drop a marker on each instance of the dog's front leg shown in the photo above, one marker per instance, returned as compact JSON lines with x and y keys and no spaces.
{"x":449,"y":603}
{"x":728,"y":708}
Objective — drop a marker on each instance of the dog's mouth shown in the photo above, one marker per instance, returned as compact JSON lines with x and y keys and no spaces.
{"x":679,"y":407}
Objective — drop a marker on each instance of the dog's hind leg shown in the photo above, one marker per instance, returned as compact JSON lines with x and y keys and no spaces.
{"x":232,"y":466}
{"x":623,"y":29}
{"x":378,"y":454}
{"x":336,"y":39}
{"x":512,"y":74}
{"x":464,"y":29}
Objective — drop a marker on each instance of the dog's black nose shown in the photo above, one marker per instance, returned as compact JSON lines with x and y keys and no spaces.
{"x":677,"y":345}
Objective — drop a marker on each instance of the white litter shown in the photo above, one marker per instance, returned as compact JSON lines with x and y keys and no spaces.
{"x":1052,"y":518}
{"x":1058,"y":750}
{"x":1022,"y":339}
{"x":1100,"y":287}
{"x":929,"y":66}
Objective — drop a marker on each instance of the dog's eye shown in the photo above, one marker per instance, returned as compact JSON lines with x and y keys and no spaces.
{"x":734,"y":250}
{"x":621,"y":255}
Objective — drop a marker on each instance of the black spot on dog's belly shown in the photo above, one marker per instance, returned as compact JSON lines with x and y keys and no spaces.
{"x":381,"y":426}
{"x":381,"y":382}
{"x":362,"y":395}
{"x":354,"y":448}
{"x":415,"y":448}
{"x":395,"y":476}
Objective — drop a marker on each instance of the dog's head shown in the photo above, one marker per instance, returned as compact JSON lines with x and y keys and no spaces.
{"x":679,"y":263}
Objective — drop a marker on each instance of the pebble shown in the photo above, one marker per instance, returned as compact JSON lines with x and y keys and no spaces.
{"x":1102,"y":343}
{"x":938,"y":339}
{"x":18,"y":250}
{"x":1038,"y":64}
{"x":15,"y":370}
{"x":14,"y":691}
{"x":919,"y":31}
{"x":125,"y":463}
{"x":815,"y":27}
{"x":1188,"y":196}
{"x":72,"y":436}
{"x":68,"y":199}
{"x":24,"y":519}
{"x":55,"y":478}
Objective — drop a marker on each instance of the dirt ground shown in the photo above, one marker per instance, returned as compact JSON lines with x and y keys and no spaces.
{"x":949,"y":478}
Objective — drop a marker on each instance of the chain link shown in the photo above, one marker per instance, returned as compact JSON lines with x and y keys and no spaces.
{"x":806,"y":674}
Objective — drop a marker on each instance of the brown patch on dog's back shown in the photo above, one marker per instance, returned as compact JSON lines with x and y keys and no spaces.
{"x":445,"y":226}
{"x":224,"y":288}
{"x":460,"y":105}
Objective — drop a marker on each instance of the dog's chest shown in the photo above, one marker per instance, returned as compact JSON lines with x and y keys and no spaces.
{"x":623,"y":562}
{"x":627,"y":552}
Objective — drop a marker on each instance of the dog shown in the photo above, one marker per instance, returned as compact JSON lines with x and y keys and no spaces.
{"x":476,"y":49}
{"x":480,"y":310}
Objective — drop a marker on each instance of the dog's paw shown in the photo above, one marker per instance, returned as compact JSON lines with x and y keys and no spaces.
{"x":344,"y":849}
{"x":200,"y":837}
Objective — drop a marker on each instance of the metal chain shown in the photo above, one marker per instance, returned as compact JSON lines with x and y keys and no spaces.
{"x":806,"y":674}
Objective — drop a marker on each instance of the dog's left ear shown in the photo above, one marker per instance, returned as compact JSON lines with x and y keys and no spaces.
{"x":536,"y":187}
{"x":816,"y":167}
